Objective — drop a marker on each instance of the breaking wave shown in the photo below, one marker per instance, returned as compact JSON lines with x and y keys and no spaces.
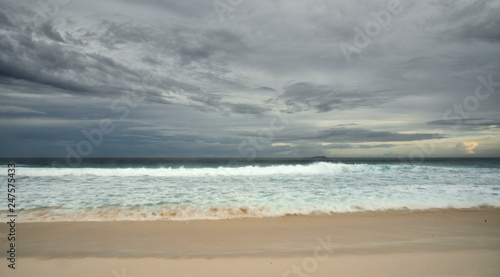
{"x":225,"y":191}
{"x":250,"y":170}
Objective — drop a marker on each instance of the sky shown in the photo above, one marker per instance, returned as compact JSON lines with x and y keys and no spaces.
{"x":249,"y":79}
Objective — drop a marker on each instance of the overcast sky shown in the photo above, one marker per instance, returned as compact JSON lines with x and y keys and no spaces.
{"x":241,"y":78}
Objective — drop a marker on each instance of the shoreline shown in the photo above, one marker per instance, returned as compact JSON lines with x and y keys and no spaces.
{"x":438,"y":242}
{"x":236,"y":213}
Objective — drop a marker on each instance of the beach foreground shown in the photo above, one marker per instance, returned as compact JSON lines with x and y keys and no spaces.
{"x":463,"y":242}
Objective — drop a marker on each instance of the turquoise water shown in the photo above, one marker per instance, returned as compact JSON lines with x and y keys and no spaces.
{"x":142,"y":189}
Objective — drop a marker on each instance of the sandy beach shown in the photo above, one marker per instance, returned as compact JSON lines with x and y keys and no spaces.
{"x":398,"y":243}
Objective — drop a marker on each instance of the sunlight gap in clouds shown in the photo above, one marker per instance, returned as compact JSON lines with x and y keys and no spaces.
{"x":467,"y":147}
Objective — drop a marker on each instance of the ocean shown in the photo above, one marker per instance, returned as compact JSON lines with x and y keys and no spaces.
{"x":191,"y":189}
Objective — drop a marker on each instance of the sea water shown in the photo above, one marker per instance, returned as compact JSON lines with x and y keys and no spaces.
{"x":176,"y":189}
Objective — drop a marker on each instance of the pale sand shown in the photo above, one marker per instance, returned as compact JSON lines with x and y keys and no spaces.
{"x":428,"y":243}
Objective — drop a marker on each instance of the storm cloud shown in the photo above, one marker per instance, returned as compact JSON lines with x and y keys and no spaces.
{"x":182,"y":79}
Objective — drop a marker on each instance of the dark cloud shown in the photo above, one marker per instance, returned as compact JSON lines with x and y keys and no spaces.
{"x":354,"y":135}
{"x":4,"y":20}
{"x":195,"y":9}
{"x":304,"y":96}
{"x":365,"y":135}
{"x":461,"y":20}
{"x":49,"y":31}
{"x":265,"y":88}
{"x":57,"y":64}
{"x":359,"y":146}
{"x":196,"y":45}
{"x":114,"y":35}
{"x":479,"y":122}
{"x":48,"y":63}
{"x":246,"y":109}
{"x":210,"y":83}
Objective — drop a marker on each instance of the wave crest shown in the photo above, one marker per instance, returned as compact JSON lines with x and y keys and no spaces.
{"x":250,"y":170}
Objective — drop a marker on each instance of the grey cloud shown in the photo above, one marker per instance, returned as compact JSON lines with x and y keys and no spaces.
{"x":58,"y":65}
{"x":51,"y":64}
{"x":383,"y":145}
{"x":347,"y":124}
{"x":198,"y":45}
{"x":303,"y":96}
{"x":190,"y":9}
{"x":265,"y":88}
{"x":459,"y":19}
{"x":113,"y":34}
{"x":362,"y":146}
{"x":246,"y":109}
{"x":365,"y":135}
{"x":467,"y":122}
{"x":4,"y":20}
{"x":266,"y":56}
{"x":14,"y":109}
{"x":49,"y":31}
{"x":349,"y":135}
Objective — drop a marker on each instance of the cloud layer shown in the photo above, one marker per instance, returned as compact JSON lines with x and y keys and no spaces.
{"x":183,"y":79}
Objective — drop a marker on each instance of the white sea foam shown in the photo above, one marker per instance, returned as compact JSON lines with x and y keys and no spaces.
{"x":250,"y":170}
{"x":220,"y":192}
{"x":186,"y":212}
